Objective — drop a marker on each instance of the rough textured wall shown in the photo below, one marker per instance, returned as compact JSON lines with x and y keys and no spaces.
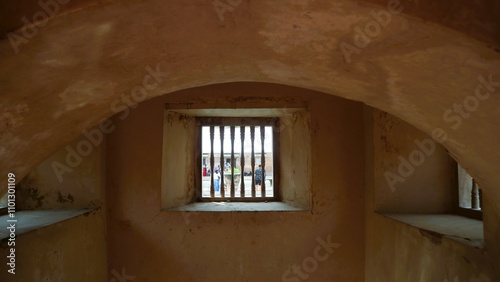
{"x":478,"y":19}
{"x":396,"y":251}
{"x":475,"y":18}
{"x":72,"y":250}
{"x":71,"y":73}
{"x":237,"y":246}
{"x":72,"y":178}
{"x":413,"y":172}
{"x":82,"y":65}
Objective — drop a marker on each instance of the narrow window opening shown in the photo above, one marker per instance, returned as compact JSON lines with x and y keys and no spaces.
{"x":469,"y":192}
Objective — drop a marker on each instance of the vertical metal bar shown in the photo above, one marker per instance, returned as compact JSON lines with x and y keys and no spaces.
{"x":263,"y":161}
{"x":212,"y":191}
{"x":480,"y":197}
{"x":242,"y":160}
{"x":198,"y":179}
{"x":232,"y":161}
{"x":474,"y":196}
{"x":221,"y":188}
{"x":276,"y":159}
{"x":252,"y":160}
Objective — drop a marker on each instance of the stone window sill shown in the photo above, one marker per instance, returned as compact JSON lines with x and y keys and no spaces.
{"x":455,"y":227}
{"x":238,"y":207}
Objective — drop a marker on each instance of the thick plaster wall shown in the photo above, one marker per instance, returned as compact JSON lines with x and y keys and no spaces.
{"x":476,"y":19}
{"x":72,"y":178}
{"x":413,"y":69}
{"x":396,"y":251}
{"x":413,"y":172}
{"x":82,"y":62}
{"x":72,"y":250}
{"x":158,"y":245}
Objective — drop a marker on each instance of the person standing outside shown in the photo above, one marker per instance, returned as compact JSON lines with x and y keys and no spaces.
{"x":259,"y":176}
{"x":217,"y":180}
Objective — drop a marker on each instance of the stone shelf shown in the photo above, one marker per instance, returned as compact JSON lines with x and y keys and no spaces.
{"x":30,"y":220}
{"x":465,"y":230}
{"x":237,"y":207}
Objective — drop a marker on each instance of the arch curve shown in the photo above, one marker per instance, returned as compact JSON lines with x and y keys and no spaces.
{"x":67,"y":77}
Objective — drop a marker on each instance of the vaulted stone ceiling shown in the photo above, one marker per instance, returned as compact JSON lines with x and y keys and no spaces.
{"x":478,"y":19}
{"x":68,"y":72}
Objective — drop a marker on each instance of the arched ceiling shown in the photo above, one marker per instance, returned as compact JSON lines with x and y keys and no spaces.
{"x":478,"y":19}
{"x":67,"y":77}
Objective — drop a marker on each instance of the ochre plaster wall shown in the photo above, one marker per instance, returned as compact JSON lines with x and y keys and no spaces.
{"x":72,"y":250}
{"x":155,"y":245}
{"x":81,"y":63}
{"x":413,"y":173}
{"x":72,"y":178}
{"x":396,"y":251}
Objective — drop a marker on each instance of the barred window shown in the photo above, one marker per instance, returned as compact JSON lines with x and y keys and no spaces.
{"x":470,"y":196}
{"x":212,"y":155}
{"x":237,"y":159}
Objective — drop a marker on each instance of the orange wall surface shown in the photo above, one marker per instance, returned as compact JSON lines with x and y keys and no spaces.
{"x":155,"y":245}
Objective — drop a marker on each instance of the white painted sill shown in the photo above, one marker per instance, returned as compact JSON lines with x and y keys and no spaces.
{"x":238,"y":207}
{"x":458,"y":228}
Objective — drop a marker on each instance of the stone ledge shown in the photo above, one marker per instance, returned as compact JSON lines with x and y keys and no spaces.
{"x":238,"y":207}
{"x":30,"y":220}
{"x":455,"y":227}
